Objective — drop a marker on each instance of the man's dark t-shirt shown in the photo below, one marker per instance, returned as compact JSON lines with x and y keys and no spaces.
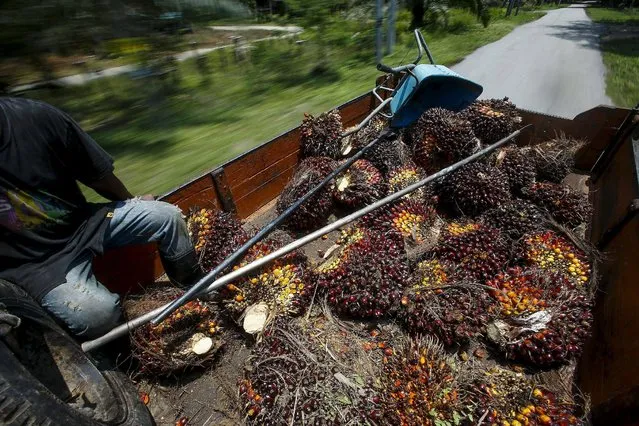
{"x":45,"y":221}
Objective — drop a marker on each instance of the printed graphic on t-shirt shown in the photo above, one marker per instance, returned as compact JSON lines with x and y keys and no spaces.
{"x":20,"y":210}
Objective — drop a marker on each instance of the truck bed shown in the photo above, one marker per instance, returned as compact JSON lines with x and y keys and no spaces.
{"x":250,"y":184}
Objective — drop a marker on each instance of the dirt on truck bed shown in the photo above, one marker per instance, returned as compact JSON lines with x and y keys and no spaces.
{"x":202,"y":397}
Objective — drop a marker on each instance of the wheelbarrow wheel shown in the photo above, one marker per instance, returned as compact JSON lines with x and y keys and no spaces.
{"x":46,"y":378}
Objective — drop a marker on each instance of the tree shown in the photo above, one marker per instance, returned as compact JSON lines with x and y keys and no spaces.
{"x":417,"y":11}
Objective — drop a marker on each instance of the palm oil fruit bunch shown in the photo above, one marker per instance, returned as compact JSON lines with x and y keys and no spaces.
{"x":315,"y":211}
{"x":321,"y":136}
{"x":544,"y":319}
{"x":331,"y":267}
{"x":285,"y":285}
{"x":511,"y":399}
{"x":188,"y":338}
{"x":563,"y":338}
{"x":454,"y":313}
{"x":440,"y":137}
{"x":408,"y":217}
{"x":555,"y":159}
{"x":477,"y":250}
{"x":431,"y":273}
{"x":519,"y":169}
{"x":358,"y":140}
{"x":269,"y":391}
{"x":359,"y":185}
{"x":521,"y":291}
{"x":492,"y":119}
{"x":216,"y":235}
{"x":419,"y":386}
{"x":389,"y":153}
{"x":567,"y":206}
{"x":554,"y":252}
{"x":296,"y":381}
{"x":406,"y":175}
{"x":515,"y":218}
{"x":475,"y":188}
{"x":370,"y":277}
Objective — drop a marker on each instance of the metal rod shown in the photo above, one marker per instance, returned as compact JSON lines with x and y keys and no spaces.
{"x":270,"y":227}
{"x":232,"y":276}
{"x":421,"y":40}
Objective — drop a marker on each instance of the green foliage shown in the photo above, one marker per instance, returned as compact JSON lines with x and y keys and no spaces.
{"x":309,"y":8}
{"x":621,"y":58}
{"x":620,"y":53}
{"x":132,"y":46}
{"x":461,"y":21}
{"x":161,"y":138}
{"x":614,"y":16}
{"x":485,"y":17}
{"x":436,"y":16}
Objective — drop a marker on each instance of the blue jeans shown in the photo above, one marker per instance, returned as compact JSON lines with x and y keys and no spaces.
{"x":86,"y":306}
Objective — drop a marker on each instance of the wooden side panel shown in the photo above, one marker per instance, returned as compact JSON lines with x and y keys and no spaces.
{"x":265,"y":175}
{"x":197,"y":193}
{"x":258,"y":177}
{"x":264,"y":193}
{"x":609,"y":368}
{"x":128,"y":269}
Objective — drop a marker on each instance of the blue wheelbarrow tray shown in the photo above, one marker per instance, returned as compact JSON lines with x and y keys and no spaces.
{"x":430,"y":86}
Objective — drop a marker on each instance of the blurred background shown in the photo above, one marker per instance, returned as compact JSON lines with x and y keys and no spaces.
{"x":172,"y":88}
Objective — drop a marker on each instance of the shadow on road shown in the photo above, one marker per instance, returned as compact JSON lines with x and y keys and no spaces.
{"x":585,"y":34}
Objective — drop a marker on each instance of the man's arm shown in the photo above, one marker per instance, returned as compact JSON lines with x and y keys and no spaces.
{"x":111,"y":188}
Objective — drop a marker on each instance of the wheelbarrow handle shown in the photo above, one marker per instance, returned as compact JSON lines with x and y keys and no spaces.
{"x":395,"y":70}
{"x":421,"y":43}
{"x":421,"y":46}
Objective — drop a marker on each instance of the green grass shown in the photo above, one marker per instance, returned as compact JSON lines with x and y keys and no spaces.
{"x":163,"y":134}
{"x":620,"y":49}
{"x":613,"y":16}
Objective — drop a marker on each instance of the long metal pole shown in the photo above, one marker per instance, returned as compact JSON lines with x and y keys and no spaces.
{"x":233,"y":276}
{"x":237,"y":255}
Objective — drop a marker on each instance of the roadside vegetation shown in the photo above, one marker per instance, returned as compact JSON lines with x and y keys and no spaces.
{"x":620,"y":47}
{"x":164,"y":128}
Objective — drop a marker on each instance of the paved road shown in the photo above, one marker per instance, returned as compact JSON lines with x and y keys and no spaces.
{"x":552,"y":65}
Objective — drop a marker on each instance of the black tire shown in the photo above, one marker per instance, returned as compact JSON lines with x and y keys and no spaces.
{"x":36,"y":384}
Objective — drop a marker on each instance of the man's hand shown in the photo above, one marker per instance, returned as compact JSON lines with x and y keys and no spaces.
{"x":148,"y":197}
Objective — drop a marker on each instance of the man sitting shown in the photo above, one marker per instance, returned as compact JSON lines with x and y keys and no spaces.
{"x":49,"y":233}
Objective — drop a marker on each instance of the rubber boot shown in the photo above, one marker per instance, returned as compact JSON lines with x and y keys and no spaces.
{"x":184,"y":271}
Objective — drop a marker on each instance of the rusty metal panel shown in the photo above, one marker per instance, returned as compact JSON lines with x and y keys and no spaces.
{"x":608,"y":368}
